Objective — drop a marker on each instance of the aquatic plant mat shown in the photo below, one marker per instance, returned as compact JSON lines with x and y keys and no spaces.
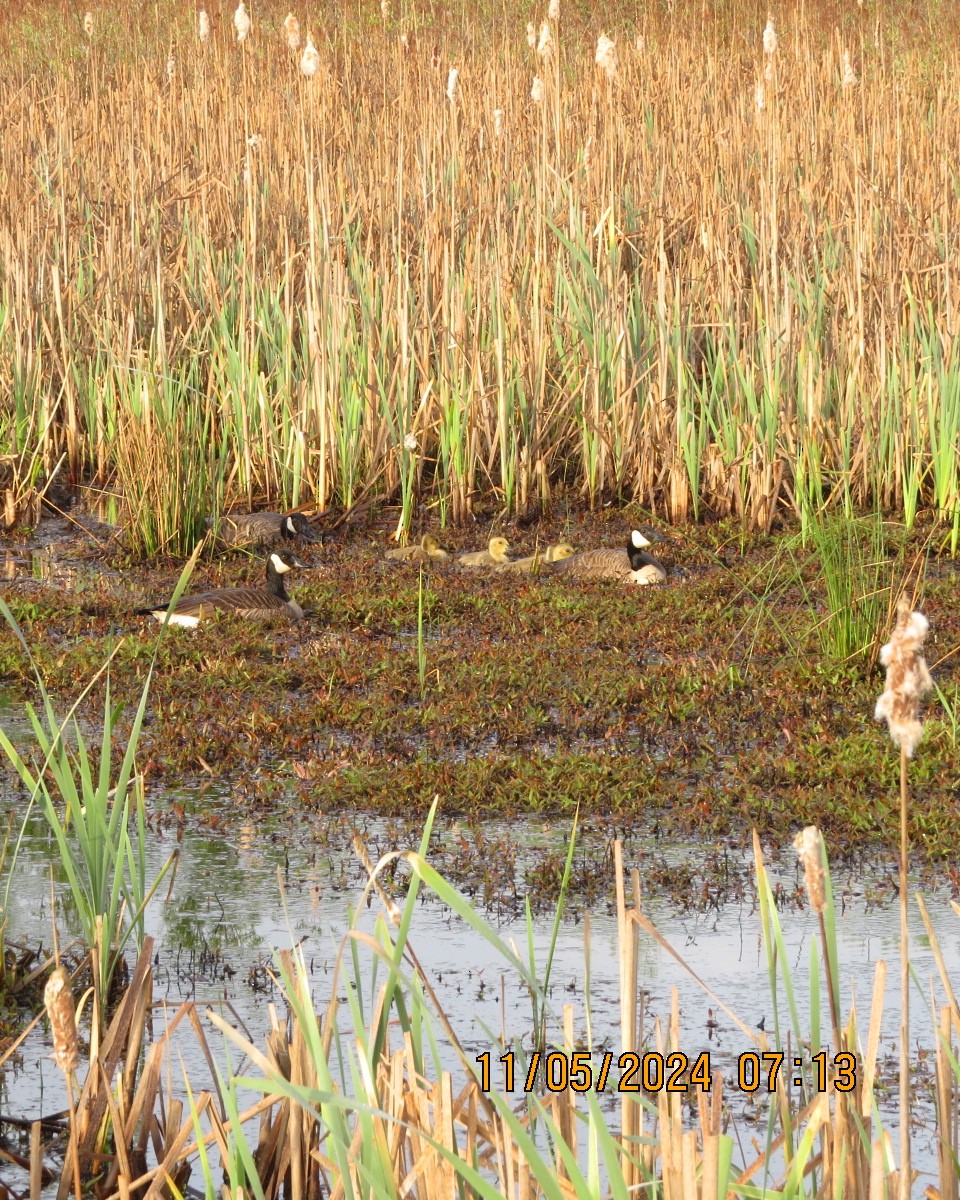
{"x":354,"y":1100}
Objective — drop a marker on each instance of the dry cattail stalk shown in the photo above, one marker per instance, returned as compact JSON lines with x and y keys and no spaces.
{"x":808,"y":845}
{"x":553,"y":11}
{"x":498,"y":122}
{"x":310,"y":60}
{"x":241,"y":22}
{"x":849,"y":74}
{"x":88,"y":24}
{"x":759,"y":98}
{"x":908,"y":679}
{"x":536,"y":92}
{"x":545,"y":44}
{"x":606,"y":56}
{"x":203,"y":26}
{"x":769,"y":38}
{"x":531,"y":35}
{"x":171,"y":67}
{"x":58,"y":1001}
{"x":291,"y":27}
{"x":452,"y":78}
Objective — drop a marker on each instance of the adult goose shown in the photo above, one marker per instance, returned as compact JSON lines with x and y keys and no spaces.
{"x":495,"y":553}
{"x":270,"y":602}
{"x":632,"y":565}
{"x":264,"y":529}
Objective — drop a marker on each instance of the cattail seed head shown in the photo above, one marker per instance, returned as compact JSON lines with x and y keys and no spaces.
{"x":452,"y":78}
{"x":241,"y":22}
{"x":908,"y":678}
{"x":759,"y":98}
{"x":405,"y":41}
{"x":291,"y":27}
{"x":545,"y":44}
{"x":498,"y":122}
{"x":849,"y":74}
{"x":641,"y":43}
{"x":769,"y":38}
{"x":553,"y":11}
{"x":809,"y":847}
{"x":58,"y":1001}
{"x":536,"y":91}
{"x":606,"y":56}
{"x":385,"y":9}
{"x":531,"y":35}
{"x":310,"y":59}
{"x":88,"y":24}
{"x":768,"y":70}
{"x":410,"y":442}
{"x":203,"y":26}
{"x":171,"y":67}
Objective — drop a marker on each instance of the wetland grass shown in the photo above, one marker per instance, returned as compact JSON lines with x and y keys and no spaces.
{"x":639,"y":286}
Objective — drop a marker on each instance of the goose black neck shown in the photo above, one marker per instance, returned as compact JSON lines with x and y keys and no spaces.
{"x":640,"y":558}
{"x":275,"y":583}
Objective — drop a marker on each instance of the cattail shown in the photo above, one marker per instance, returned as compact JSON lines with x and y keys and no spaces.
{"x":768,"y":70}
{"x":849,"y":74}
{"x":531,"y":35}
{"x":58,"y":1001}
{"x":241,"y":22}
{"x":203,"y":26}
{"x":769,"y":38}
{"x":436,"y":58}
{"x":405,"y":41}
{"x":171,"y":67}
{"x":808,"y":845}
{"x":410,"y":443}
{"x":641,"y":43}
{"x":545,"y":44}
{"x":588,"y":154}
{"x":759,"y":98}
{"x":498,"y":122}
{"x":310,"y":60}
{"x":88,"y":24}
{"x":536,"y":92}
{"x":553,"y":11}
{"x":291,"y":27}
{"x":908,"y":678}
{"x":606,"y":57}
{"x":385,"y":9}
{"x":452,"y":85}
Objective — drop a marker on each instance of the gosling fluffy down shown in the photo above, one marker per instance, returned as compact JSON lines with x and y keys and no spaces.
{"x":552,"y":554}
{"x":632,"y":565}
{"x":429,"y":550}
{"x":251,"y":603}
{"x":495,"y":554}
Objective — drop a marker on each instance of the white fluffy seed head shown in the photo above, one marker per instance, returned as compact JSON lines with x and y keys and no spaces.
{"x":553,"y":11}
{"x":385,"y":9}
{"x":531,"y":35}
{"x":241,"y":22}
{"x":769,"y":38}
{"x":908,"y":679}
{"x":452,"y":79}
{"x":545,"y":42}
{"x":171,"y":67}
{"x":536,"y":91}
{"x":760,"y":102}
{"x":498,"y":122}
{"x":203,"y":26}
{"x":310,"y":59}
{"x":291,"y":27}
{"x":809,"y":847}
{"x":849,"y":74}
{"x":641,"y":43}
{"x":88,"y":24}
{"x":606,"y":56}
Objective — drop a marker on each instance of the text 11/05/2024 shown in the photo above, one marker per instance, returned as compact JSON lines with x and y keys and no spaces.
{"x":582,"y":1071}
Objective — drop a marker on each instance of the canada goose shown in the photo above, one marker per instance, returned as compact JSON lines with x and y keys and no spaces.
{"x":429,"y":550}
{"x":252,"y":603}
{"x":263,"y":529}
{"x":633,"y":565}
{"x":552,"y":554}
{"x":496,"y":552}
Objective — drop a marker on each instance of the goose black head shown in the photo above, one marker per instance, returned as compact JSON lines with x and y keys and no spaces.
{"x":281,"y":561}
{"x":297,"y":525}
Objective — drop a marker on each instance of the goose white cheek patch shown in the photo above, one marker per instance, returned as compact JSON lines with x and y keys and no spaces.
{"x":638,"y":539}
{"x":278,"y":564}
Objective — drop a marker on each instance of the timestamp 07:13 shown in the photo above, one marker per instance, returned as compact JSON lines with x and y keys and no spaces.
{"x":673,"y":1072}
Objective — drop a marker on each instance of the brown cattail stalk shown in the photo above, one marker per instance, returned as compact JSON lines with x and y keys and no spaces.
{"x":58,"y":1001}
{"x":908,"y":680}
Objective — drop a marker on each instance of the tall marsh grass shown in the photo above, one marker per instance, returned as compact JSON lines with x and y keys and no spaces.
{"x":643,"y":285}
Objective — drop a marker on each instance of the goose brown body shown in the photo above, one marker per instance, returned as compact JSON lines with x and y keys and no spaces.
{"x":266,"y":603}
{"x":632,"y":565}
{"x":264,"y":529}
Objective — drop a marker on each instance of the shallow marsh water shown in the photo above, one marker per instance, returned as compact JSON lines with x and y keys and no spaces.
{"x":219,"y":918}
